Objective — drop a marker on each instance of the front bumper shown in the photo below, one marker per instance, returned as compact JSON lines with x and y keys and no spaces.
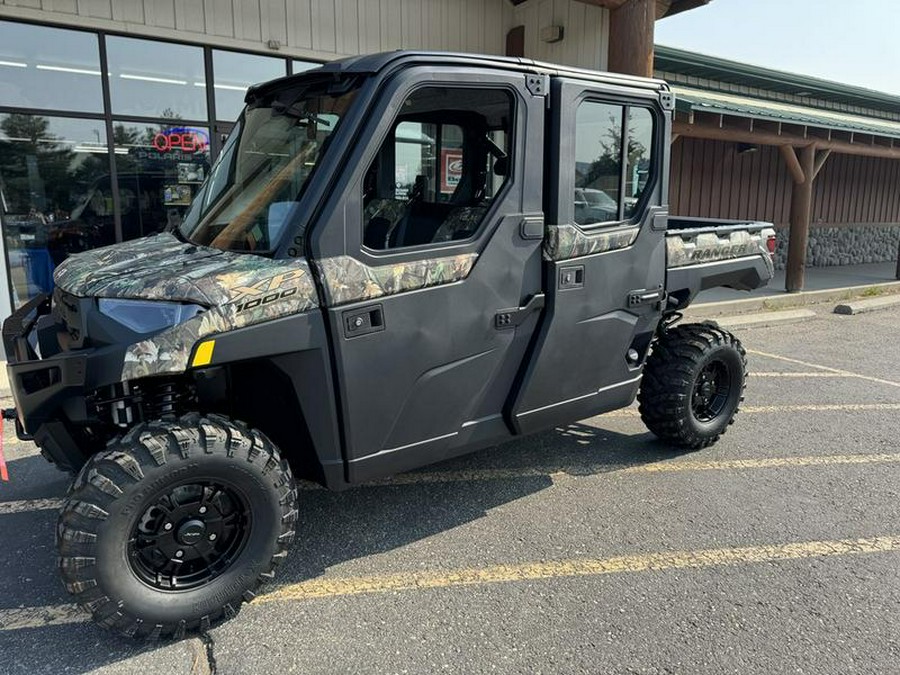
{"x":51,"y":393}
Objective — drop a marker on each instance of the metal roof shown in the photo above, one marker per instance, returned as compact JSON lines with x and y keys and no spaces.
{"x":692,"y":64}
{"x":697,"y":100}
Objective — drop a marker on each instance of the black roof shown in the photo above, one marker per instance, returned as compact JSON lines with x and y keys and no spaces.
{"x":373,"y":63}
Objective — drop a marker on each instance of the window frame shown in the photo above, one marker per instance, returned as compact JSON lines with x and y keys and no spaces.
{"x":625,"y":104}
{"x":373,"y":148}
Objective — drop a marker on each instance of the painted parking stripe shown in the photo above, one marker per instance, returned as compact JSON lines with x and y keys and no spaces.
{"x":818,"y":366}
{"x":557,"y":569}
{"x":759,"y":409}
{"x":52,"y":615}
{"x":555,"y":471}
{"x":26,"y":505}
{"x":799,"y":375}
{"x":575,"y":469}
{"x":39,"y":617}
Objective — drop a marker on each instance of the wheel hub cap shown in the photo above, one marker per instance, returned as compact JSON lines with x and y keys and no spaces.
{"x":191,"y":532}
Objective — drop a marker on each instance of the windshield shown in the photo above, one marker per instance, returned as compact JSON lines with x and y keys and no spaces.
{"x":252,"y":191}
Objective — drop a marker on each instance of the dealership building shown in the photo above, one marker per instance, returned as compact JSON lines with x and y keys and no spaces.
{"x":111,"y":111}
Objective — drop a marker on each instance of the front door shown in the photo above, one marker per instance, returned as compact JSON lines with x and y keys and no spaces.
{"x":442,"y":232}
{"x":604,"y":255}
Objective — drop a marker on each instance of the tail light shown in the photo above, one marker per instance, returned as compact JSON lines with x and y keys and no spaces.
{"x":770,"y":244}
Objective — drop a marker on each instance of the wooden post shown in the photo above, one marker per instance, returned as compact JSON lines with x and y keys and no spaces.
{"x":631,"y":38}
{"x":801,"y":214}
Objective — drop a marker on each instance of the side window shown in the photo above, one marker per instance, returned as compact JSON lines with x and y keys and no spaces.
{"x":612,"y":161}
{"x":440,"y":168}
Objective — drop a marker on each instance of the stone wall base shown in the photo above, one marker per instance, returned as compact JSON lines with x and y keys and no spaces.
{"x":846,"y":245}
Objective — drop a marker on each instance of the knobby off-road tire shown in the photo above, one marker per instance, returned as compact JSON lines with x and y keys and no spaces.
{"x":173,"y":526}
{"x":693,"y":385}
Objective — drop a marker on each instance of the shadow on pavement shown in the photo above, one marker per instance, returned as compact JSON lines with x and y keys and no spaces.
{"x":374,"y":518}
{"x":334,"y":527}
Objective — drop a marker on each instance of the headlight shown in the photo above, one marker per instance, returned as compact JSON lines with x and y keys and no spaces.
{"x":147,"y":316}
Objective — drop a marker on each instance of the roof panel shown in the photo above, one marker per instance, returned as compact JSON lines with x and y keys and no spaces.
{"x":697,"y":100}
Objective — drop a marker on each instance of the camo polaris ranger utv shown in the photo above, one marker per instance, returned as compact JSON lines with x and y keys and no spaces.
{"x":396,"y":259}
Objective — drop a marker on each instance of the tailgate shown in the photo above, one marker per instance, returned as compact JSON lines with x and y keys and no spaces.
{"x":736,"y":255}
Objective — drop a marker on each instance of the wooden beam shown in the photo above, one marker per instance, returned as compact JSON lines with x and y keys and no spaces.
{"x":631,"y":38}
{"x":801,"y":215}
{"x":793,"y":164}
{"x":608,"y":4}
{"x":768,"y":138}
{"x":821,"y":157}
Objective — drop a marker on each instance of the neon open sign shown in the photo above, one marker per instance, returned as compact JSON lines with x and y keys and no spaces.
{"x":182,"y":139}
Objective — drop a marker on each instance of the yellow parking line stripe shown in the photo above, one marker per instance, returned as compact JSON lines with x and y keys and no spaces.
{"x":54,"y":615}
{"x":798,"y":375}
{"x":38,"y":617}
{"x":675,"y":466}
{"x":764,"y":463}
{"x":820,"y":407}
{"x":817,"y":366}
{"x":532,"y":571}
{"x":554,"y":471}
{"x":803,"y":407}
{"x":26,"y":505}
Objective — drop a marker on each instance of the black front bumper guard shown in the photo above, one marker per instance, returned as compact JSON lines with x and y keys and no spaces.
{"x":50,"y":393}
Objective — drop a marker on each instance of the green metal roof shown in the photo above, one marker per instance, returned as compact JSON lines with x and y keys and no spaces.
{"x":718,"y":70}
{"x":698,"y":100}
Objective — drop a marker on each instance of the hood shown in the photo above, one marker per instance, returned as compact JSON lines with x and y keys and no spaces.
{"x":161,"y":267}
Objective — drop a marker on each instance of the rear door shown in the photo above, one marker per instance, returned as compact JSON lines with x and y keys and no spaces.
{"x":432,"y":246}
{"x":604,"y":255}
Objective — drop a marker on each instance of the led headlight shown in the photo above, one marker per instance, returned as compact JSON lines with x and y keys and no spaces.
{"x":147,"y":316}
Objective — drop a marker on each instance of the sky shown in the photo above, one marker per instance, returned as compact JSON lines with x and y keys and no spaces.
{"x":851,"y":41}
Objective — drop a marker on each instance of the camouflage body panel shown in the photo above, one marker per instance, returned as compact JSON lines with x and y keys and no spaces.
{"x":239,"y":289}
{"x":161,"y":267}
{"x":566,"y":241}
{"x":282,"y":290}
{"x":348,"y":280}
{"x":684,"y":247}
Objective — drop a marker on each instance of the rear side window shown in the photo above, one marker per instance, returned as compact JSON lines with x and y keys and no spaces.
{"x":438,"y":172}
{"x":613,"y":161}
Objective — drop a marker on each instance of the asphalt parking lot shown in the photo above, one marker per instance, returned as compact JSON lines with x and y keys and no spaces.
{"x":592,"y":548}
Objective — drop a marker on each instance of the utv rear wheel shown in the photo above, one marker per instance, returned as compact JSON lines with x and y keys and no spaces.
{"x":174,"y":525}
{"x":693,"y":385}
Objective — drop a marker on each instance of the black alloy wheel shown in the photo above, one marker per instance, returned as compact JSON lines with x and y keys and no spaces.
{"x":189,"y":535}
{"x":173,"y":526}
{"x":710,"y":395}
{"x":693,"y":385}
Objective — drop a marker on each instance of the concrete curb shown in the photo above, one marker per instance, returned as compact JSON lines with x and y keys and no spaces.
{"x":791,"y":300}
{"x":761,"y":319}
{"x":868,"y":305}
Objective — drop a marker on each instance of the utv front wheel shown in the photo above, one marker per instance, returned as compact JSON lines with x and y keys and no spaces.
{"x":173,"y":526}
{"x":693,"y":385}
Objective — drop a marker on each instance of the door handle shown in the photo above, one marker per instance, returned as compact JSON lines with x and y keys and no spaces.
{"x":363,"y":321}
{"x":512,"y":317}
{"x":645,"y":297}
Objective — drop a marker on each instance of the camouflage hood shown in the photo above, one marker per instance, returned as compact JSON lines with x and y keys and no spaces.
{"x":162,"y":267}
{"x":239,"y":289}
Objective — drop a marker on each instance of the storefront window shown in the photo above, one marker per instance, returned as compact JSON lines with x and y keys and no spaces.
{"x":300,"y":66}
{"x":234,"y":73}
{"x":156,"y":79}
{"x":51,"y":68}
{"x":55,"y":195}
{"x":159,"y":169}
